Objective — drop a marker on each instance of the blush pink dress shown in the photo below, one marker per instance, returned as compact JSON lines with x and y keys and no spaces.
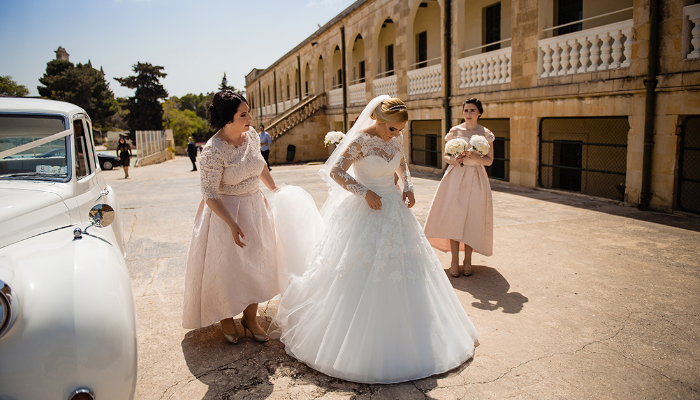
{"x":222,"y":279}
{"x":462,"y":208}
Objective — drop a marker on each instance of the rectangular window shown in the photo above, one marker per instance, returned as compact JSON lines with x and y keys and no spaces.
{"x":362,"y":71}
{"x":493,"y":26}
{"x":422,"y":49}
{"x":569,"y":11}
{"x":390,"y":59}
{"x":426,"y":143}
{"x":340,"y":77}
{"x":569,"y":157}
{"x":82,"y":165}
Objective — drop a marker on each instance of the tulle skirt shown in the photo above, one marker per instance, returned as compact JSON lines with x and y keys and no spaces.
{"x":374,"y":304}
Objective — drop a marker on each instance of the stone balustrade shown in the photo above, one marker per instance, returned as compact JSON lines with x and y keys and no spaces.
{"x":691,"y":16}
{"x":607,"y":47}
{"x":385,"y":85}
{"x":335,"y":97}
{"x":425,"y":80}
{"x":485,"y":69}
{"x":295,"y":116}
{"x":356,"y":93}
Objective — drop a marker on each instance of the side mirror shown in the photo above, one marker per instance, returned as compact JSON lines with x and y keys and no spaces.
{"x":101,"y":215}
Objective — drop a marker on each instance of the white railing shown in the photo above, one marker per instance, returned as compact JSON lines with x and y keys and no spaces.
{"x":356,"y":93}
{"x":425,"y":80}
{"x":150,"y":142}
{"x":598,"y":49}
{"x":335,"y":97}
{"x":295,"y":101}
{"x":485,"y":69}
{"x":267,"y":110}
{"x":288,"y":104}
{"x":386,"y":85}
{"x":280,"y":107}
{"x":691,"y":32}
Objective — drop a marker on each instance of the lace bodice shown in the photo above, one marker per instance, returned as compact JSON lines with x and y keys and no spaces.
{"x":231,"y":170}
{"x":374,"y":161}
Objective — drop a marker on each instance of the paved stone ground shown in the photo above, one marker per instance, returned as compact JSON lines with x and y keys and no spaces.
{"x":583,"y":299}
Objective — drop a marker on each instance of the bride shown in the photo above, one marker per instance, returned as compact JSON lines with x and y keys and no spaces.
{"x":372,"y":303}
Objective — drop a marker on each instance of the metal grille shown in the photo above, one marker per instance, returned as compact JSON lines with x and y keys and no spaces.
{"x":689,"y":167}
{"x":585,"y":155}
{"x":426,"y":143}
{"x":500,"y":168}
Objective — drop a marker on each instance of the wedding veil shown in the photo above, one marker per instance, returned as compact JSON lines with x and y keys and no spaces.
{"x":336,"y":194}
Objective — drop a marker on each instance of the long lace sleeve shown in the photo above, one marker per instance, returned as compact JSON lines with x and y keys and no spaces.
{"x":340,"y":174}
{"x":405,"y":175}
{"x":212,"y":169}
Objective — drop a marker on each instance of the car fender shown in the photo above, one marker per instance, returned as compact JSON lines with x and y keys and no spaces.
{"x":76,"y":324}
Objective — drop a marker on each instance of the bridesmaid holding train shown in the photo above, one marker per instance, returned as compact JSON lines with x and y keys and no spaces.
{"x":461,"y":214}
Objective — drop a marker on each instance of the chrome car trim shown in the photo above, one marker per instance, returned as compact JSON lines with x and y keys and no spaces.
{"x":10,"y":305}
{"x":81,"y":391}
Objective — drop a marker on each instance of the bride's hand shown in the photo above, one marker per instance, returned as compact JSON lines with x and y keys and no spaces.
{"x":373,"y":200}
{"x":411,"y":199}
{"x":236,"y":231}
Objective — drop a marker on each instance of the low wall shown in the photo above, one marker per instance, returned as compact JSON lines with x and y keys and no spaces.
{"x":156,"y":158}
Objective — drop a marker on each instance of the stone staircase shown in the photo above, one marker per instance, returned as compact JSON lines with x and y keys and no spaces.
{"x":295,"y":115}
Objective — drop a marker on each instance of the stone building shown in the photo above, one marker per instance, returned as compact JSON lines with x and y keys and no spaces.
{"x":573,"y":89}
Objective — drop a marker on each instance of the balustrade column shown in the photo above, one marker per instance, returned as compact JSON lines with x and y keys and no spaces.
{"x":595,"y":53}
{"x":605,"y":53}
{"x":695,"y":36}
{"x":574,"y":54}
{"x":616,"y":50}
{"x":564,"y":59}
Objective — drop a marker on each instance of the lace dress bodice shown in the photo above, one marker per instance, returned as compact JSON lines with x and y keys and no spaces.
{"x":231,"y":170}
{"x":374,"y":162}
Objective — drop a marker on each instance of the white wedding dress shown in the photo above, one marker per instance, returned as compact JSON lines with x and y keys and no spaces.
{"x":373,"y":304}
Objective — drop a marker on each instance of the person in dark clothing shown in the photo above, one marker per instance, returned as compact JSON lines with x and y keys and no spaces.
{"x":124,"y":154}
{"x":192,"y":152}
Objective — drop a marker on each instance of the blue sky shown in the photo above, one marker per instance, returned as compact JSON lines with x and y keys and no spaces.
{"x":195,"y":40}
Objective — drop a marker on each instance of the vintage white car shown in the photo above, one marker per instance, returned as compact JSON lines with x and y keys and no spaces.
{"x":67,"y":320}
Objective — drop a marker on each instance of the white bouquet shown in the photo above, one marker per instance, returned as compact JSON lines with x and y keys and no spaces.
{"x":479,"y":144}
{"x":456,"y":147}
{"x":333,"y":138}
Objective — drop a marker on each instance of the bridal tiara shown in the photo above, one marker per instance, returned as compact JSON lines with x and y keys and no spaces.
{"x":397,"y":107}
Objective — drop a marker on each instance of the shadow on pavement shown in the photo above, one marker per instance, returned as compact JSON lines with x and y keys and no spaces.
{"x":491,"y":289}
{"x":248,"y":370}
{"x":682,"y":221}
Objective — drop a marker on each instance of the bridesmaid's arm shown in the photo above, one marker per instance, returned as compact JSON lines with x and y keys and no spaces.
{"x":485,"y":160}
{"x":266,"y":178}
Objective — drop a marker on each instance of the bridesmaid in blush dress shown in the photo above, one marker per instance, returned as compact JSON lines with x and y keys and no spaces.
{"x":461,"y":214}
{"x":231,"y":264}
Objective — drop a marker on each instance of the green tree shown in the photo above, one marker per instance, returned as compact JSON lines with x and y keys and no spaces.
{"x":9,"y":87}
{"x":184,"y":123}
{"x":224,"y":86}
{"x":145,"y":109}
{"x":81,"y":85}
{"x":199,"y":103}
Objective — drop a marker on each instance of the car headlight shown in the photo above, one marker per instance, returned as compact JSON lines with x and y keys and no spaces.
{"x":8,"y":308}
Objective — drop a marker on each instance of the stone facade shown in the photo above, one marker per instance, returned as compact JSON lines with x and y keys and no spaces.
{"x":596,"y":71}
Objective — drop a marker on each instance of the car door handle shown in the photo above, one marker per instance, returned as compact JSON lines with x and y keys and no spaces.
{"x":104,"y":192}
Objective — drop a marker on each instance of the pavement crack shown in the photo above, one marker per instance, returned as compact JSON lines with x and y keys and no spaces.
{"x":689,"y":385}
{"x":559,"y":353}
{"x":224,"y":367}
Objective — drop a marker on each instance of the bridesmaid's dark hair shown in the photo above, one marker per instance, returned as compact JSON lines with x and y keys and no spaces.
{"x":476,"y":102}
{"x":223,"y":107}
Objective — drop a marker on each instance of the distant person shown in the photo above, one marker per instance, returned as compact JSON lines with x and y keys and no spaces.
{"x":124,"y":154}
{"x":265,"y":142}
{"x":192,"y":152}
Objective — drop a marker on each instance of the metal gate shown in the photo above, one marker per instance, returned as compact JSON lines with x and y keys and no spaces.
{"x":500,"y":168}
{"x":585,"y":155}
{"x":688,"y":193}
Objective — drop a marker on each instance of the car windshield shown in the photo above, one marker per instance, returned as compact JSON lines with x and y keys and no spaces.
{"x":24,"y":151}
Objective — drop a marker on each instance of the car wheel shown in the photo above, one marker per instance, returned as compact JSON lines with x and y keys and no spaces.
{"x":107,"y":165}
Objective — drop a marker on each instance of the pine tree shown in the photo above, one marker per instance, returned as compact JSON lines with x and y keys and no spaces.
{"x":145,"y":109}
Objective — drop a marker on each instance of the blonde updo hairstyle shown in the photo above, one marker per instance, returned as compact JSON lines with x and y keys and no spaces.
{"x":390,"y":110}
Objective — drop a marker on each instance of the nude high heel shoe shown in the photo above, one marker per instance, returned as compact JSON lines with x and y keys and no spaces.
{"x":257,"y":338}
